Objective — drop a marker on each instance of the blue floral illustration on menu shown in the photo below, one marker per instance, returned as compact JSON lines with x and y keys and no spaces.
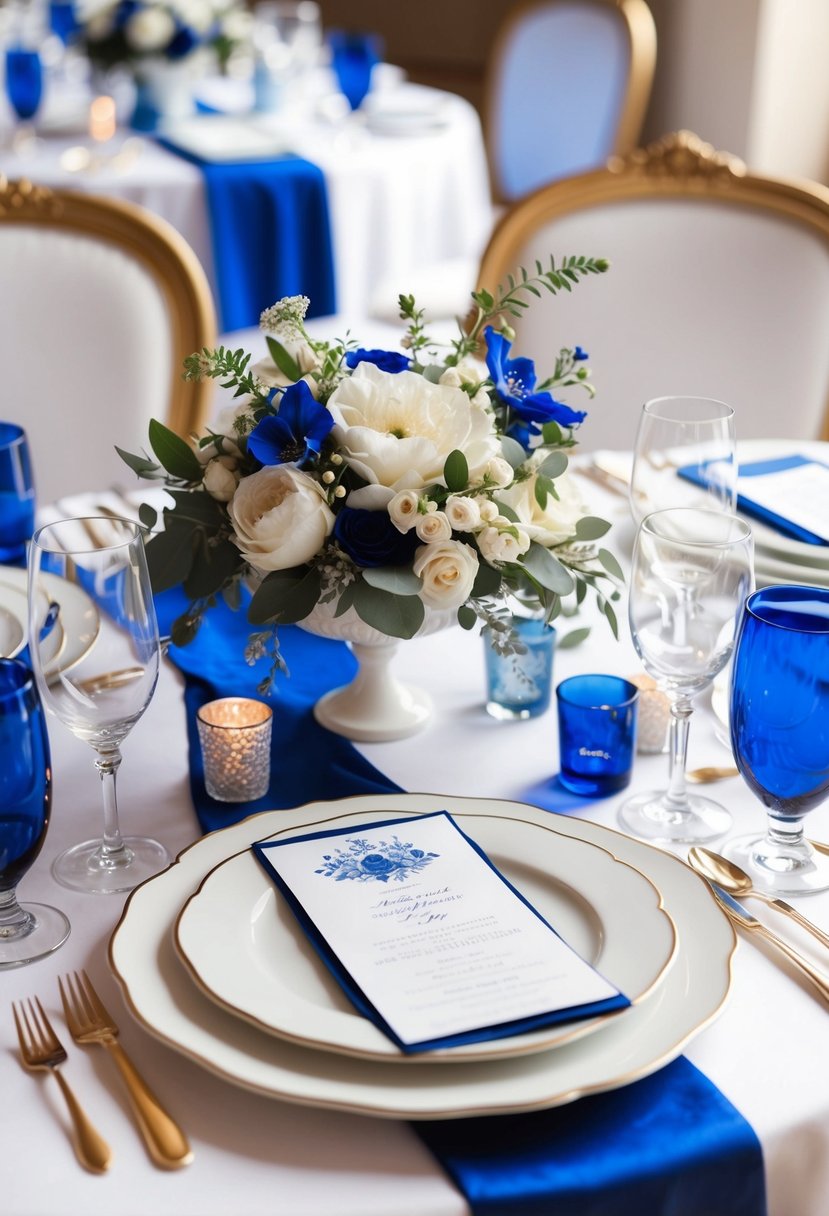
{"x":367,"y":861}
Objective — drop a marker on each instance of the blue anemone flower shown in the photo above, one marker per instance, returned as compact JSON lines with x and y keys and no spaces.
{"x":290,"y":436}
{"x":515,"y":381}
{"x":386,"y":360}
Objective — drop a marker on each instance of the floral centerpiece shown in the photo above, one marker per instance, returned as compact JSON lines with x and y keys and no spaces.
{"x":383,"y":484}
{"x":141,"y":32}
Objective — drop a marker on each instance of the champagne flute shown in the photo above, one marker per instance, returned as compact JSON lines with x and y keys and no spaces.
{"x":780,"y":732}
{"x":30,"y":931}
{"x":353,"y":58}
{"x":692,"y":569}
{"x":89,"y":579}
{"x":24,"y":90}
{"x":695,"y":434}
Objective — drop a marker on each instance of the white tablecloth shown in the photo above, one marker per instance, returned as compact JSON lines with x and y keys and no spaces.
{"x":255,"y":1156}
{"x":398,"y":203}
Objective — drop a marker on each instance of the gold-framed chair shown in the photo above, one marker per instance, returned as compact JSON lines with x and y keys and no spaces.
{"x":567,"y":85}
{"x":101,"y":302}
{"x":718,"y":286}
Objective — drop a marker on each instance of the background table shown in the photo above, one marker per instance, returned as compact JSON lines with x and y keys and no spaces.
{"x":255,"y":1156}
{"x":397,"y":202}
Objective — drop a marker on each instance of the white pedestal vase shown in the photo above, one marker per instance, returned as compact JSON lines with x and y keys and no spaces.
{"x":165,"y":91}
{"x":375,"y":707}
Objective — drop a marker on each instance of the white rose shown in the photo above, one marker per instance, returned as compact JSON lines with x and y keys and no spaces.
{"x":448,"y":569}
{"x":404,"y":510}
{"x":557,"y":521}
{"x":487,"y":509}
{"x":302,"y":354}
{"x":463,"y":513}
{"x":397,"y":429}
{"x":150,"y":29}
{"x":280,"y":517}
{"x":433,"y":527}
{"x":500,"y":472}
{"x":220,"y":479}
{"x":501,"y":546}
{"x":467,"y":371}
{"x":219,"y":445}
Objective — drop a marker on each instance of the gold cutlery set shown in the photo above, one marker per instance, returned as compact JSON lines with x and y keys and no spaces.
{"x":89,"y":1022}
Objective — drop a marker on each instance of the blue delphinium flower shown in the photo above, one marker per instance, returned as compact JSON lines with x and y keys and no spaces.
{"x":386,"y":360}
{"x":515,"y":381}
{"x":579,"y":354}
{"x":290,"y":436}
{"x":371,"y":539}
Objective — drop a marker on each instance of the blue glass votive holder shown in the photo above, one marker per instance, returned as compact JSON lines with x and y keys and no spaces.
{"x":17,"y":494}
{"x":520,"y":685}
{"x":597,"y":733}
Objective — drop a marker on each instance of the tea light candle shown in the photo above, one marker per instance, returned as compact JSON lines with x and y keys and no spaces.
{"x":654,"y":716}
{"x":235,"y":737}
{"x":102,"y":119}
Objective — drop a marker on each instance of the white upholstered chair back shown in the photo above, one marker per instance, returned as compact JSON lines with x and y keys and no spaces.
{"x":100,"y":303}
{"x":567,"y":85}
{"x":718,"y":286}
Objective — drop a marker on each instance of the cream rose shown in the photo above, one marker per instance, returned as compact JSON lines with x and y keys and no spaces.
{"x":463,"y":513}
{"x":448,"y":570}
{"x":502,"y":546}
{"x":280,"y":518}
{"x":220,"y":478}
{"x":397,"y":429}
{"x":500,"y":472}
{"x":433,"y":527}
{"x":150,"y":29}
{"x":557,"y":521}
{"x":404,"y":509}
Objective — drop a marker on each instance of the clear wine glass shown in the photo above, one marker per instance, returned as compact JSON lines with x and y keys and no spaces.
{"x":94,"y":644}
{"x":30,"y":931}
{"x":780,"y":731}
{"x":692,"y":569}
{"x":692,"y":434}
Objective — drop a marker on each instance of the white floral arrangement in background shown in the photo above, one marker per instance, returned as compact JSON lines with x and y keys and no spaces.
{"x":385,"y":482}
{"x":131,"y":31}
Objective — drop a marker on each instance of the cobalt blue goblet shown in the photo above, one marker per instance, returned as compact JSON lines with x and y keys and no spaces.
{"x":17,"y":495}
{"x":353,"y":58}
{"x":24,"y":81}
{"x":33,"y":930}
{"x":780,"y":731}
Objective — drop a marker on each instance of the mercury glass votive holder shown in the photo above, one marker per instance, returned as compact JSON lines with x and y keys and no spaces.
{"x":519,"y":685}
{"x":597,"y":733}
{"x":235,"y":737}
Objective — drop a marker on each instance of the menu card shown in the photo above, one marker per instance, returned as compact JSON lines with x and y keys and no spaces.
{"x":790,"y":493}
{"x":427,"y":937}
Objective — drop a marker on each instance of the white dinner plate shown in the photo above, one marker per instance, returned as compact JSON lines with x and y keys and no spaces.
{"x":65,"y":642}
{"x":640,"y":1040}
{"x":13,"y":613}
{"x":245,"y":948}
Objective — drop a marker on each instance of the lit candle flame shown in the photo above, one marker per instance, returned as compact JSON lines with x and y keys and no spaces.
{"x":102,"y":119}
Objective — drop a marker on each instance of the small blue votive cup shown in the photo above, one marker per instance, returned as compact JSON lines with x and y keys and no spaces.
{"x":597,"y":733}
{"x":520,"y":685}
{"x":17,"y":495}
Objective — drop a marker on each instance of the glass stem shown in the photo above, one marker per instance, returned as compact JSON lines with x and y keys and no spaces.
{"x":677,"y":794}
{"x":113,"y":849}
{"x":14,"y":921}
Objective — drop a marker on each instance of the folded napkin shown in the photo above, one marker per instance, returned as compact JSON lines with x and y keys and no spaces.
{"x":270,"y":233}
{"x":668,"y":1145}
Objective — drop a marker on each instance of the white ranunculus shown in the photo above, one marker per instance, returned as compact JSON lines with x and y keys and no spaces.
{"x":220,"y":478}
{"x":398,"y":428}
{"x":500,"y":471}
{"x":280,"y":517}
{"x":463,"y":513}
{"x":404,"y":509}
{"x":557,"y":521}
{"x":448,"y":569}
{"x":302,"y":354}
{"x":150,"y":29}
{"x":433,"y":527}
{"x":499,"y":545}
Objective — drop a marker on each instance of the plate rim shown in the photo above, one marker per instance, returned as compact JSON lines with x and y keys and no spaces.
{"x":523,"y":1045}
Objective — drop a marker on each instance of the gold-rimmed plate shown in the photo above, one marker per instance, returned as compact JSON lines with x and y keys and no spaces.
{"x":640,"y":1040}
{"x":245,"y":949}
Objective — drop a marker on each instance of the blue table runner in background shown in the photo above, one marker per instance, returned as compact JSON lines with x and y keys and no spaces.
{"x":667,"y":1145}
{"x":270,"y":235}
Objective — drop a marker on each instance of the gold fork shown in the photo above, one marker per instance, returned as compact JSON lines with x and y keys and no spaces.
{"x":40,"y":1049}
{"x":89,"y":1022}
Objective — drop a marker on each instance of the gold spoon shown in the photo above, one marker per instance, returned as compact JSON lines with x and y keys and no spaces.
{"x":711,"y":772}
{"x":728,"y":875}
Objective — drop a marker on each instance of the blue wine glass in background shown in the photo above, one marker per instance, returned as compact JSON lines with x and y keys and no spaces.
{"x":17,"y":495}
{"x":353,"y":58}
{"x":31,"y":931}
{"x":24,"y":81}
{"x":780,"y":731}
{"x":63,"y":20}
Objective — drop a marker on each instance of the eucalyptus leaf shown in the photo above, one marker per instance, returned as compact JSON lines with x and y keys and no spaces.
{"x":610,"y":564}
{"x":433,"y":372}
{"x":456,"y":472}
{"x":487,"y":581}
{"x":286,"y":363}
{"x":170,"y":556}
{"x":197,"y":507}
{"x":591,"y":528}
{"x":547,"y":569}
{"x":177,"y":457}
{"x":554,"y":465}
{"x":285,"y":596}
{"x":507,"y":512}
{"x":398,"y":616}
{"x":212,"y":567}
{"x":346,"y":599}
{"x":141,"y":465}
{"x":399,"y":580}
{"x":512,"y":451}
{"x":466,"y":617}
{"x":148,"y":515}
{"x":574,"y":638}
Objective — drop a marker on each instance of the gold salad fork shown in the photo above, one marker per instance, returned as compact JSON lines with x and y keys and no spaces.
{"x":40,"y":1050}
{"x":89,"y":1022}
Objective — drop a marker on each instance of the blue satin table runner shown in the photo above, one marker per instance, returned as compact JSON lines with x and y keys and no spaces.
{"x":668,"y":1145}
{"x":270,"y":235}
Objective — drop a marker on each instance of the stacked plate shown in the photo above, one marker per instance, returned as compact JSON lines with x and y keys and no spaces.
{"x":212,"y":962}
{"x":64,"y":640}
